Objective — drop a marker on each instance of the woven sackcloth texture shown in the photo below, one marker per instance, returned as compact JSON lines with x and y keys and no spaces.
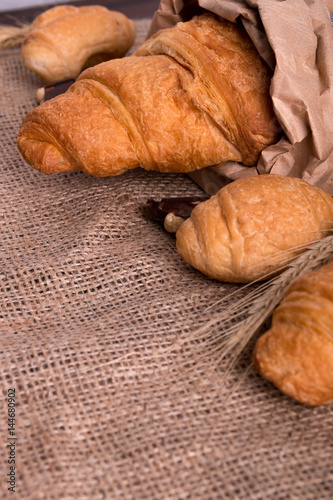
{"x":93,"y":298}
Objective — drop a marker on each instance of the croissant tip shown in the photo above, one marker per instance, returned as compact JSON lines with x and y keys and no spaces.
{"x":42,"y":156}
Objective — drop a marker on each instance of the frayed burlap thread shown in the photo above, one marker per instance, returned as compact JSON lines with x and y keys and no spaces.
{"x":93,"y":297}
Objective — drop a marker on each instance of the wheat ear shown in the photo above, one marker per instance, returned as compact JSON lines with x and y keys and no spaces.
{"x":12,"y":36}
{"x":227,"y":336}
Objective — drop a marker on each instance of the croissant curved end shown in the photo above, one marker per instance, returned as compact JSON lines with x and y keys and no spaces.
{"x":45,"y":156}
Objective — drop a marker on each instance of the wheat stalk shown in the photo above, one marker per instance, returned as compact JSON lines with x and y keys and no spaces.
{"x":227,"y":336}
{"x":12,"y":36}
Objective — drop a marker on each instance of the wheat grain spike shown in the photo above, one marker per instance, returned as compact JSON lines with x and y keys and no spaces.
{"x":12,"y":36}
{"x":227,"y":335}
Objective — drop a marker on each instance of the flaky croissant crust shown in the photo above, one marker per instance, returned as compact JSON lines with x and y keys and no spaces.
{"x":253,"y":226}
{"x":194,"y":95}
{"x":64,"y":39}
{"x":296,"y":353}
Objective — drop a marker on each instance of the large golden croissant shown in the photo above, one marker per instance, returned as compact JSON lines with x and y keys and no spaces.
{"x":296,"y":353}
{"x":63,"y":40}
{"x":252,"y":227}
{"x":193,"y":95}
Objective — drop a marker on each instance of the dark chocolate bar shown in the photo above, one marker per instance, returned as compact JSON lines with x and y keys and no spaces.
{"x":56,"y":88}
{"x":182,"y":207}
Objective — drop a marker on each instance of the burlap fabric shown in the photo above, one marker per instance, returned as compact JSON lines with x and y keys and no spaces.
{"x":93,"y":297}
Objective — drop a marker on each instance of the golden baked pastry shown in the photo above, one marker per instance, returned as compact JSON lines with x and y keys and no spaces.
{"x":296,"y":353}
{"x":65,"y":39}
{"x":193,"y":95}
{"x":253,"y":226}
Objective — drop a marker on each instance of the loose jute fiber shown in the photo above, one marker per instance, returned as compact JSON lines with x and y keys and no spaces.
{"x":96,"y":402}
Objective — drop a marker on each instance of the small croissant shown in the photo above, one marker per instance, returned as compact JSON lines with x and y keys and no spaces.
{"x":253,"y":227}
{"x":193,"y":95}
{"x":65,"y":39}
{"x":296,"y":353}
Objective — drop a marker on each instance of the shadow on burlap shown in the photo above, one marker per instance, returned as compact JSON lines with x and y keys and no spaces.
{"x":93,"y":297}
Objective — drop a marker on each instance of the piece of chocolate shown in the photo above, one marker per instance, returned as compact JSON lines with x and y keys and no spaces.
{"x":182,"y":207}
{"x":56,"y":88}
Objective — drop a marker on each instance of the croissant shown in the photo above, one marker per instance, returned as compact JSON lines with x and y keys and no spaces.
{"x":64,"y":39}
{"x":253,"y":226}
{"x":193,"y":95}
{"x":296,"y":353}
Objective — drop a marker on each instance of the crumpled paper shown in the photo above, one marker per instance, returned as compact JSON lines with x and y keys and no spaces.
{"x":295,"y":38}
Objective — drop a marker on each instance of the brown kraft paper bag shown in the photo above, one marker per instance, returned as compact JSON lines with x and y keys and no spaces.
{"x":295,"y":38}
